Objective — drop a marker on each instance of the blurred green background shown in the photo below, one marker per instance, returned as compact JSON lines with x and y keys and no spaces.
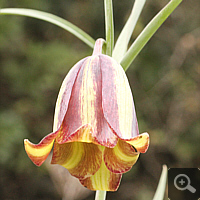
{"x":35,"y":56}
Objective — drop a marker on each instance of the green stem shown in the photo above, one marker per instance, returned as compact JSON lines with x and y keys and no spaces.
{"x":99,"y":47}
{"x":109,"y":26}
{"x":148,"y":32}
{"x":100,"y":195}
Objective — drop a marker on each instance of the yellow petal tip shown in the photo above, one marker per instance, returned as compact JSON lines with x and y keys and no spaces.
{"x":141,"y":142}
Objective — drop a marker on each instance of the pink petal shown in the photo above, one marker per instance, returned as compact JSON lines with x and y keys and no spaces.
{"x":118,"y":105}
{"x":65,"y":94}
{"x":85,"y":108}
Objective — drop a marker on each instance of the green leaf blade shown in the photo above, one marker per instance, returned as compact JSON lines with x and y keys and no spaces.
{"x":124,"y":37}
{"x":148,"y":32}
{"x":52,"y":19}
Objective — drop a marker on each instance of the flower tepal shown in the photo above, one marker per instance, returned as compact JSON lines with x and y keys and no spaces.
{"x":95,"y":134}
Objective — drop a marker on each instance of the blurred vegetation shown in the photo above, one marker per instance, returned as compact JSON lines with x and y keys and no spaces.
{"x":35,"y":56}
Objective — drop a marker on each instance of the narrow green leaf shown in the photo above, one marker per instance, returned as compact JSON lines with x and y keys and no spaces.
{"x":109,"y":26}
{"x":160,"y":191}
{"x":148,"y":32}
{"x":52,"y":19}
{"x":124,"y":37}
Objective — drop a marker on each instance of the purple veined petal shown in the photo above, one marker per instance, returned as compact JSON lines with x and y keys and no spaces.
{"x":84,"y":120}
{"x":65,"y":94}
{"x":117,"y":100}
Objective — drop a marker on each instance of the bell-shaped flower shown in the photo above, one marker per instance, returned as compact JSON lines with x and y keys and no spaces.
{"x":95,"y":133}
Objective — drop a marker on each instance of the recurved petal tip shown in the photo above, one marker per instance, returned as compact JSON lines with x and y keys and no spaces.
{"x":39,"y":152}
{"x":121,"y":158}
{"x":141,"y":142}
{"x":37,"y":155}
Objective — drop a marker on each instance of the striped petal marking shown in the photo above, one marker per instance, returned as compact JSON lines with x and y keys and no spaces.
{"x":84,"y":120}
{"x":81,"y":159}
{"x":65,"y":94}
{"x":102,"y":180}
{"x":141,"y":142}
{"x":39,"y":152}
{"x":117,"y":100}
{"x":121,"y":158}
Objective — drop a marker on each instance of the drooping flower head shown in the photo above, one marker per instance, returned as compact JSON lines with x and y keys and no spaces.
{"x":95,"y":133}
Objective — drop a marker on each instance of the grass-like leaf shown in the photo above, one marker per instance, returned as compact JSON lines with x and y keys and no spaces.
{"x":124,"y":37}
{"x":52,"y":19}
{"x":159,"y":195}
{"x":109,"y":26}
{"x":148,"y":32}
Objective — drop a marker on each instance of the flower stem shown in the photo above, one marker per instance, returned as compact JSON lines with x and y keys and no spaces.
{"x":100,"y":195}
{"x":99,"y":47}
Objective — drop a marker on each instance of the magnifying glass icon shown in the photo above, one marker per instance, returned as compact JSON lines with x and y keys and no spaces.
{"x":182,"y":182}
